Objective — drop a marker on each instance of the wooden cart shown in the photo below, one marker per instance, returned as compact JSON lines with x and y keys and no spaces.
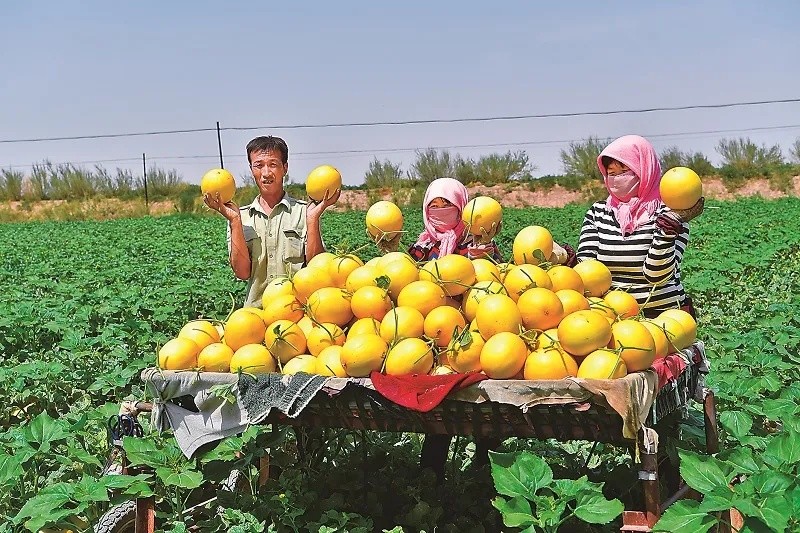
{"x":359,"y":407}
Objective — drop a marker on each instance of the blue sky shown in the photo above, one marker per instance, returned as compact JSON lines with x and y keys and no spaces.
{"x":94,"y":67}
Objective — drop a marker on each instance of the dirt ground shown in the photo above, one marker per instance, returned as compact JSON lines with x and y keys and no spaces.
{"x":510,"y":195}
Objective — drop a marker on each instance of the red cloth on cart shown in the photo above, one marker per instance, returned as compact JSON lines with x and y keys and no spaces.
{"x":422,"y":392}
{"x":668,"y":368}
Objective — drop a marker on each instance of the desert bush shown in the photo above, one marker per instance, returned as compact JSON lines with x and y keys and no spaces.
{"x":384,"y":174}
{"x":743,"y":159}
{"x":162,"y":183}
{"x":580,"y":158}
{"x":745,"y":154}
{"x":673,"y":157}
{"x":794,"y":152}
{"x":503,"y":168}
{"x":431,"y":164}
{"x":11,"y":184}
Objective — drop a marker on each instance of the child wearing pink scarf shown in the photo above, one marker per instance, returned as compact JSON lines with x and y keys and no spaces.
{"x":633,"y":233}
{"x":445,"y":232}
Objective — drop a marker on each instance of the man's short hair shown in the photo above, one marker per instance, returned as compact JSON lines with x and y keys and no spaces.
{"x":266,"y":144}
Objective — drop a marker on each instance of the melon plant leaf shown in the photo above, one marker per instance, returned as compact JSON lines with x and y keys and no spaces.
{"x":684,"y":516}
{"x":129,"y":485}
{"x":549,"y":510}
{"x":46,"y":506}
{"x":183,"y":478}
{"x":10,"y":468}
{"x":594,"y":508}
{"x":702,"y":473}
{"x":784,"y":449}
{"x":737,"y":423}
{"x":779,"y":409}
{"x":741,"y":459}
{"x":143,"y":451}
{"x":516,"y":511}
{"x":89,"y":490}
{"x":519,"y":474}
{"x":44,"y":430}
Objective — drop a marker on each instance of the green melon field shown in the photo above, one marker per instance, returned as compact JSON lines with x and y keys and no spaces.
{"x":86,"y":304}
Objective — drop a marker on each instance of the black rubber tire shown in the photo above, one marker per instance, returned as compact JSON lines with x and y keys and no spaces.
{"x":119,"y":519}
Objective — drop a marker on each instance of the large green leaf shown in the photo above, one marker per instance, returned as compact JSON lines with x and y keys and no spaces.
{"x":593,"y":507}
{"x":90,"y":490}
{"x":44,"y":430}
{"x":184,"y":478}
{"x":45,"y":506}
{"x":516,"y":511}
{"x":519,"y":474}
{"x":684,"y":516}
{"x":765,"y":484}
{"x":779,"y":409}
{"x":737,"y":423}
{"x":10,"y":468}
{"x":129,"y":485}
{"x":741,"y":459}
{"x":784,"y":449}
{"x":145,"y":451}
{"x":702,"y":473}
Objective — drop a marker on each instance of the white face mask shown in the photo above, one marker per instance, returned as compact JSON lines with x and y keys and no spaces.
{"x":623,"y":186}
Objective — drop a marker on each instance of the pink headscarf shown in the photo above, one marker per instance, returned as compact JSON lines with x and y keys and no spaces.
{"x":454,"y":192}
{"x":637,"y":154}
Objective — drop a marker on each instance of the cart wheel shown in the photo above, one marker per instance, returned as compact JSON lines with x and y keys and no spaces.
{"x":119,"y":519}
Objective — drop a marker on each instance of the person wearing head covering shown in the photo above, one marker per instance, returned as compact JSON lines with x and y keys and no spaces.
{"x":445,"y":232}
{"x":633,"y":233}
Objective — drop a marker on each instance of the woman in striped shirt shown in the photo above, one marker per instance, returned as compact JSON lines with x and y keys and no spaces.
{"x":633,"y":233}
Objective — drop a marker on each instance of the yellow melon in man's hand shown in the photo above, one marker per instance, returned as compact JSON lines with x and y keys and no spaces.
{"x":323,"y":181}
{"x":218,"y":180}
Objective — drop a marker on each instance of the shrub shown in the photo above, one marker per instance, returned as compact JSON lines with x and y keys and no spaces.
{"x":673,"y":157}
{"x":794,"y":151}
{"x":11,"y":184}
{"x":383,"y":175}
{"x":430,"y":165}
{"x":162,"y":183}
{"x":743,"y":159}
{"x":580,"y":158}
{"x":502,"y":168}
{"x":742,"y":153}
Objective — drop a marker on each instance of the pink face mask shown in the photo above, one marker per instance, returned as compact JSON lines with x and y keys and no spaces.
{"x":623,"y":186}
{"x":444,"y":218}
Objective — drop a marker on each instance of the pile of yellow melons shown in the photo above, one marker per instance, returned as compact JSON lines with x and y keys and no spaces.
{"x":340,"y":316}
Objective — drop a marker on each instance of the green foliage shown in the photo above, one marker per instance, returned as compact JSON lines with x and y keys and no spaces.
{"x":673,"y":157}
{"x":580,"y":158}
{"x":743,"y":153}
{"x":384,"y":175}
{"x":794,"y":151}
{"x":496,"y":168}
{"x":86,"y":304}
{"x":431,"y":164}
{"x":65,"y":181}
{"x":742,"y":159}
{"x":11,"y":184}
{"x":537,"y":502}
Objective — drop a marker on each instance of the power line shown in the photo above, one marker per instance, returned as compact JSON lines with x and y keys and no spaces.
{"x":413,"y":149}
{"x":407,"y":122}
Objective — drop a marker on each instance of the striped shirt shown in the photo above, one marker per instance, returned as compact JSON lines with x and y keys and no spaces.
{"x":647,"y":260}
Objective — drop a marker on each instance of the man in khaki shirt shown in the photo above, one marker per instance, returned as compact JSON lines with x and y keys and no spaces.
{"x":276,"y":234}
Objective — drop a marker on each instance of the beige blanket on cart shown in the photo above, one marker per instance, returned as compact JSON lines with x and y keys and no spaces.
{"x":215,"y":417}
